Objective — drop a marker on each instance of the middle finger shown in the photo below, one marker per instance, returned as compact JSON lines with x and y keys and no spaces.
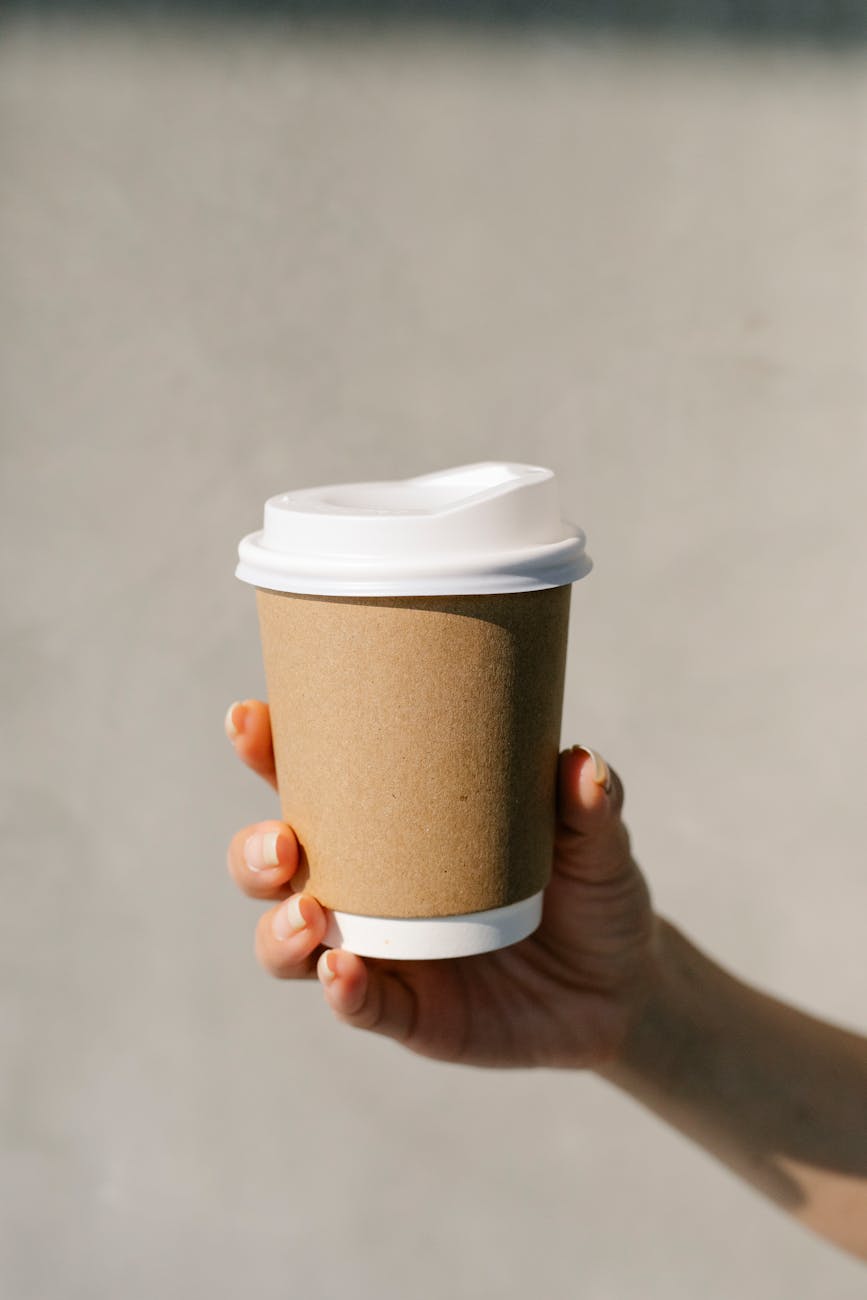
{"x":263,"y":858}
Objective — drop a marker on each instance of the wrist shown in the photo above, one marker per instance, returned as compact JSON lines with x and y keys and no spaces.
{"x":663,"y":1020}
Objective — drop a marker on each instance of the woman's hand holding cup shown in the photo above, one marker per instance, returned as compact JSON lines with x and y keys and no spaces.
{"x":565,"y":996}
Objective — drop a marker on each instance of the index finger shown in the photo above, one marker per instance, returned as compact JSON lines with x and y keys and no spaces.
{"x":248,"y":726}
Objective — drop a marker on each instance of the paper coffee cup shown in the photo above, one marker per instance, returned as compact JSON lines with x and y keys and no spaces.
{"x":414,"y":638}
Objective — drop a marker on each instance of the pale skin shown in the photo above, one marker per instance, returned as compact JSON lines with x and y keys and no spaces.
{"x":605,"y":984}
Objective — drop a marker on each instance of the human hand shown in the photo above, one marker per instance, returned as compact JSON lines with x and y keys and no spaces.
{"x":566,"y":996}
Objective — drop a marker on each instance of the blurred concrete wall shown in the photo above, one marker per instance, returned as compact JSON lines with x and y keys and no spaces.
{"x":238,"y":260}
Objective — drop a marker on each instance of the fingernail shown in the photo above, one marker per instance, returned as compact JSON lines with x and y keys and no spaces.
{"x":260,"y":850}
{"x":601,"y":774}
{"x":288,"y":920}
{"x":324,"y":971}
{"x":234,"y":726}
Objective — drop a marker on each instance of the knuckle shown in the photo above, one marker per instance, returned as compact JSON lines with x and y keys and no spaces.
{"x":263,"y":947}
{"x":360,"y":1019}
{"x":273,"y":956}
{"x":254,"y":888}
{"x":368,"y":1015}
{"x":260,"y":948}
{"x":272,"y":964}
{"x":235,"y":853}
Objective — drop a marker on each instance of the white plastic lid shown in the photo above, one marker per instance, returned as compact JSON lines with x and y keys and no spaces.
{"x":473,"y":529}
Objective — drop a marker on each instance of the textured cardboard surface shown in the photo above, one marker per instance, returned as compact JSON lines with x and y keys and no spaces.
{"x":416,"y":741}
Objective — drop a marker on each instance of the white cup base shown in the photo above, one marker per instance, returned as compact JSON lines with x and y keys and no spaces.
{"x":428,"y":938}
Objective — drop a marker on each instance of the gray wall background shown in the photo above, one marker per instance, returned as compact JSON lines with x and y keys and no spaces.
{"x":239,"y":259}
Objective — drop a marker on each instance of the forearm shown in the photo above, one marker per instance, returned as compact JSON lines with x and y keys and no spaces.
{"x":778,"y":1096}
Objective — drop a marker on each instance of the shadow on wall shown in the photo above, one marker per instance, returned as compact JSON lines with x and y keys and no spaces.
{"x":816,"y":20}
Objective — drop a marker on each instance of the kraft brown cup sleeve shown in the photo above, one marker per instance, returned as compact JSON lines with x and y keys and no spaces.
{"x":416,"y":742}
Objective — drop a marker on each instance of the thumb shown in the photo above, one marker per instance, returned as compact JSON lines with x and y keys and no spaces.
{"x":591,"y":841}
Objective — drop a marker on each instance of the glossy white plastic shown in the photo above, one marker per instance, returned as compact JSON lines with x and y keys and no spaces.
{"x":494,"y":526}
